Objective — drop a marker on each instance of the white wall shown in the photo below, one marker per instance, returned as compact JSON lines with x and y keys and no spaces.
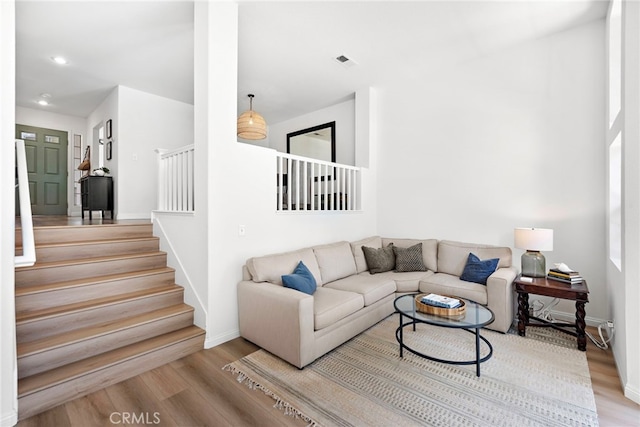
{"x":509,"y":140}
{"x":241,"y":179}
{"x":141,"y":122}
{"x":145,"y":122}
{"x":107,"y":110}
{"x":8,"y":364}
{"x":342,"y":113}
{"x":73,"y":125}
{"x":623,"y":289}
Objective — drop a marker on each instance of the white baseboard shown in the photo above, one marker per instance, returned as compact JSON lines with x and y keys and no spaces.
{"x":571,"y":318}
{"x":210,"y":342}
{"x":146,"y":215}
{"x":9,"y":419}
{"x":632,"y":393}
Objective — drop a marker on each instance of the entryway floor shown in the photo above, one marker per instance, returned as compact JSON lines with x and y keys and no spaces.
{"x":63,"y":220}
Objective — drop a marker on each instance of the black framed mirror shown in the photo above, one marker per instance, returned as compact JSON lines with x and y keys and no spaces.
{"x":317,"y":142}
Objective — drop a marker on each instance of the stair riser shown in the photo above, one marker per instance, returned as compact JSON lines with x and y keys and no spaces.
{"x":40,"y":401}
{"x":46,"y":327}
{"x":94,"y":250}
{"x":46,"y":360}
{"x":45,"y":235}
{"x":42,"y":276}
{"x":64,"y":296}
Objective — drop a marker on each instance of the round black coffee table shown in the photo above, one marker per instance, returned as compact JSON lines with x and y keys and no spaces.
{"x":476,"y":316}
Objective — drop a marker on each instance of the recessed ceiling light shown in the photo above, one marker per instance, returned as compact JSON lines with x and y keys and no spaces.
{"x":59,"y":60}
{"x":43,"y":102}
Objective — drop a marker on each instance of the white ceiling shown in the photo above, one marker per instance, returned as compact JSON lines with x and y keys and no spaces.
{"x":143,"y":45}
{"x":286,"y":53}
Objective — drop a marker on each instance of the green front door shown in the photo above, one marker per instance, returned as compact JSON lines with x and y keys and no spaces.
{"x":46,"y":152}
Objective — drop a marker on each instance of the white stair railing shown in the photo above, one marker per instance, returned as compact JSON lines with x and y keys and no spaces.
{"x":305,"y":184}
{"x":28,"y":256}
{"x":176,"y":179}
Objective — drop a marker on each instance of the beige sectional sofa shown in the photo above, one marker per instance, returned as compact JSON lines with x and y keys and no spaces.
{"x":299,"y":327}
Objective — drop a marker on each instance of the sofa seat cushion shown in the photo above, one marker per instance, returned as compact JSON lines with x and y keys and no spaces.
{"x":332,"y":305}
{"x":447,"y":284}
{"x":408,"y":281}
{"x":373,"y":288}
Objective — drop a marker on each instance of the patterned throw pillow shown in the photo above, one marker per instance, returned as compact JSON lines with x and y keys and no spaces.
{"x":409,"y":259}
{"x":379,"y":260}
{"x":477,"y":270}
{"x":301,"y":280}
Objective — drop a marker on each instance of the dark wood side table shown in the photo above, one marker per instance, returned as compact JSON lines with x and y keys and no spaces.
{"x":552,"y":288}
{"x":96,"y":193}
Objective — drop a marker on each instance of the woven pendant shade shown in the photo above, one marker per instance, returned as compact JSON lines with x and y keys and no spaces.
{"x":251,"y":125}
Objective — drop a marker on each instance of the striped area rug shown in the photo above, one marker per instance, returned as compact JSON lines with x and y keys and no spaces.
{"x":364,"y":382}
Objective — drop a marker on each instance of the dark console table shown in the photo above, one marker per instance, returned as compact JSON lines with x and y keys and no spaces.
{"x":97,"y":194}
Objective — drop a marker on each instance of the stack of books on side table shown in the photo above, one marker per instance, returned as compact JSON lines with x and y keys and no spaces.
{"x":440,"y":301}
{"x":569,"y":277}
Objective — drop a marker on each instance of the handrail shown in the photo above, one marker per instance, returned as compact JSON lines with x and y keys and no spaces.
{"x":28,"y":256}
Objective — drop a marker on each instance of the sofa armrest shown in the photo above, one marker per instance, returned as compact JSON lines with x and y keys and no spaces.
{"x":278,"y":319}
{"x":500,"y":297}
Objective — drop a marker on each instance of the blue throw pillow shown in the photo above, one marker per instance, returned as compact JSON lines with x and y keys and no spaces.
{"x":477,"y":270}
{"x":301,"y":280}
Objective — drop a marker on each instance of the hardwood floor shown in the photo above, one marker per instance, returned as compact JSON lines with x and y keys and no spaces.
{"x":195,"y":391}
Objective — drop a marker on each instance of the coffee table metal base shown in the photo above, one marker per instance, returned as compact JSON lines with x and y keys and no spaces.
{"x":476,"y":331}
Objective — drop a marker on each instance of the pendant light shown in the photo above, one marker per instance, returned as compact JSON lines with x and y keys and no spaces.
{"x":251,"y":125}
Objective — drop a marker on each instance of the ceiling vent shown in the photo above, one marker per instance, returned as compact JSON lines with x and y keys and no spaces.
{"x":345,"y":61}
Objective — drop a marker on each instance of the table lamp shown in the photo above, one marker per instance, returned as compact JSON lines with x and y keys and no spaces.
{"x":533,"y":240}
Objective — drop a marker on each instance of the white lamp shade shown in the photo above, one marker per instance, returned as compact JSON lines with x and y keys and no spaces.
{"x":534,"y":239}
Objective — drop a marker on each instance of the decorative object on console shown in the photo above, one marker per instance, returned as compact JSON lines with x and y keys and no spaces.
{"x":85,"y":165}
{"x":533,"y":240}
{"x":251,"y":125}
{"x":101,"y":171}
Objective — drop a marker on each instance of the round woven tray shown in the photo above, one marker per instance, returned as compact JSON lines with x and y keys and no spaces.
{"x":440,"y":311}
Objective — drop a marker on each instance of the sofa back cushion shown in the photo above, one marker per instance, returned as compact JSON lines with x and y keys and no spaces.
{"x":374,"y":242}
{"x":452,"y":256}
{"x":429,"y":249}
{"x":335,"y":261}
{"x":271,"y":268}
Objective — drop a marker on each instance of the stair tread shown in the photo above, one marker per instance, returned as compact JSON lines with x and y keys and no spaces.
{"x":65,"y":373}
{"x":32,"y":289}
{"x":92,"y":242}
{"x":94,"y":303}
{"x":64,"y":263}
{"x":102,"y":329}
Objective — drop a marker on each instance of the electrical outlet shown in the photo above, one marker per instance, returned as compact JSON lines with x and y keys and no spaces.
{"x":242,"y":230}
{"x":610,"y":324}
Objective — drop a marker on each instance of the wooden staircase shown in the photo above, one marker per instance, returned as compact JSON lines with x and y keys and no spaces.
{"x":99,"y":306}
